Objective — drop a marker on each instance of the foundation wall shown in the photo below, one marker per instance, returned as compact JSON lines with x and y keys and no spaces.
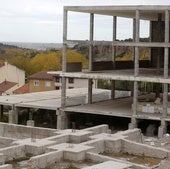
{"x":21,"y":132}
{"x":44,"y":160}
{"x":13,"y":152}
{"x":99,"y":129}
{"x":6,"y":166}
{"x":99,"y":145}
{"x":143,"y":150}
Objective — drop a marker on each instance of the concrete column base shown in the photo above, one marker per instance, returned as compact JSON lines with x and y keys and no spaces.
{"x":133,"y":123}
{"x":162,"y":129}
{"x":62,"y":121}
{"x":11,"y":117}
{"x":30,"y":123}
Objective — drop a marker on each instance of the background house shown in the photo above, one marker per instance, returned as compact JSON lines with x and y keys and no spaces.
{"x":44,"y":81}
{"x":41,"y":81}
{"x":11,"y":78}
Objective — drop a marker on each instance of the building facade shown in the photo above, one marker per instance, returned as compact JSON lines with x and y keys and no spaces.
{"x":11,"y":78}
{"x":156,"y":71}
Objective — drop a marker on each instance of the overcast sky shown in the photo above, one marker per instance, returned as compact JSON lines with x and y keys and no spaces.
{"x":41,"y":20}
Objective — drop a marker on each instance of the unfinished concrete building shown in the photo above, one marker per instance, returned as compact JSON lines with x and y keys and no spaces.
{"x":138,"y":107}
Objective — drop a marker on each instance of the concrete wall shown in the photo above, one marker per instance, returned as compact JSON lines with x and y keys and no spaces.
{"x":44,"y":160}
{"x":19,"y":131}
{"x":143,"y":150}
{"x":99,"y":129}
{"x":99,"y":145}
{"x":74,"y":67}
{"x":6,"y":166}
{"x":13,"y":152}
{"x":102,"y":65}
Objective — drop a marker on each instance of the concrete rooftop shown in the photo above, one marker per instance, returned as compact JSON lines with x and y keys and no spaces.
{"x":51,"y":100}
{"x":147,"y":12}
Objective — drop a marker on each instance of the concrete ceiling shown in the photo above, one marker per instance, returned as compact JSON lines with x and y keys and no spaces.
{"x":146,"y":12}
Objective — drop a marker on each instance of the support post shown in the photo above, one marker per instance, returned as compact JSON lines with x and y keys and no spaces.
{"x":62,"y":121}
{"x":163,"y":127}
{"x":1,"y":112}
{"x":136,"y":71}
{"x":112,"y":89}
{"x":64,"y":60}
{"x":90,"y":83}
{"x":91,"y":41}
{"x":114,"y":39}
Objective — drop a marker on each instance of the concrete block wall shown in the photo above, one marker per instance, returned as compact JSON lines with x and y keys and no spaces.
{"x":6,"y":141}
{"x":99,"y":145}
{"x":13,"y":152}
{"x":113,"y":146}
{"x":6,"y":166}
{"x":44,"y":160}
{"x":133,"y":135}
{"x":99,"y":129}
{"x":20,"y":132}
{"x":143,"y":150}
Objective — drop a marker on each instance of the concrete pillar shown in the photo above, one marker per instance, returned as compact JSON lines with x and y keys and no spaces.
{"x":134,"y":35}
{"x":91,"y":41}
{"x":114,"y":39}
{"x":112,"y":89}
{"x":1,"y":112}
{"x":62,"y":121}
{"x":163,"y":128}
{"x":90,"y":91}
{"x":64,"y":60}
{"x":13,"y":115}
{"x":136,"y":71}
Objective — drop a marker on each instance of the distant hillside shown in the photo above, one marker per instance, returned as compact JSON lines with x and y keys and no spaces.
{"x":35,"y":46}
{"x":104,"y":52}
{"x":9,"y":51}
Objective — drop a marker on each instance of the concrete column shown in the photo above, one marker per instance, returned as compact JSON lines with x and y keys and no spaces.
{"x":163,"y":128}
{"x":134,"y":35}
{"x":13,"y":115}
{"x":90,"y":91}
{"x":91,"y":41}
{"x":136,"y":71}
{"x":64,"y":60}
{"x":1,"y":112}
{"x":112,"y":89}
{"x":114,"y":39}
{"x":62,"y":121}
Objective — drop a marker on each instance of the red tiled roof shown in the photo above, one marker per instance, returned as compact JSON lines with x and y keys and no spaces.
{"x":22,"y":90}
{"x":43,"y":75}
{"x":2,"y":64}
{"x":6,"y":85}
